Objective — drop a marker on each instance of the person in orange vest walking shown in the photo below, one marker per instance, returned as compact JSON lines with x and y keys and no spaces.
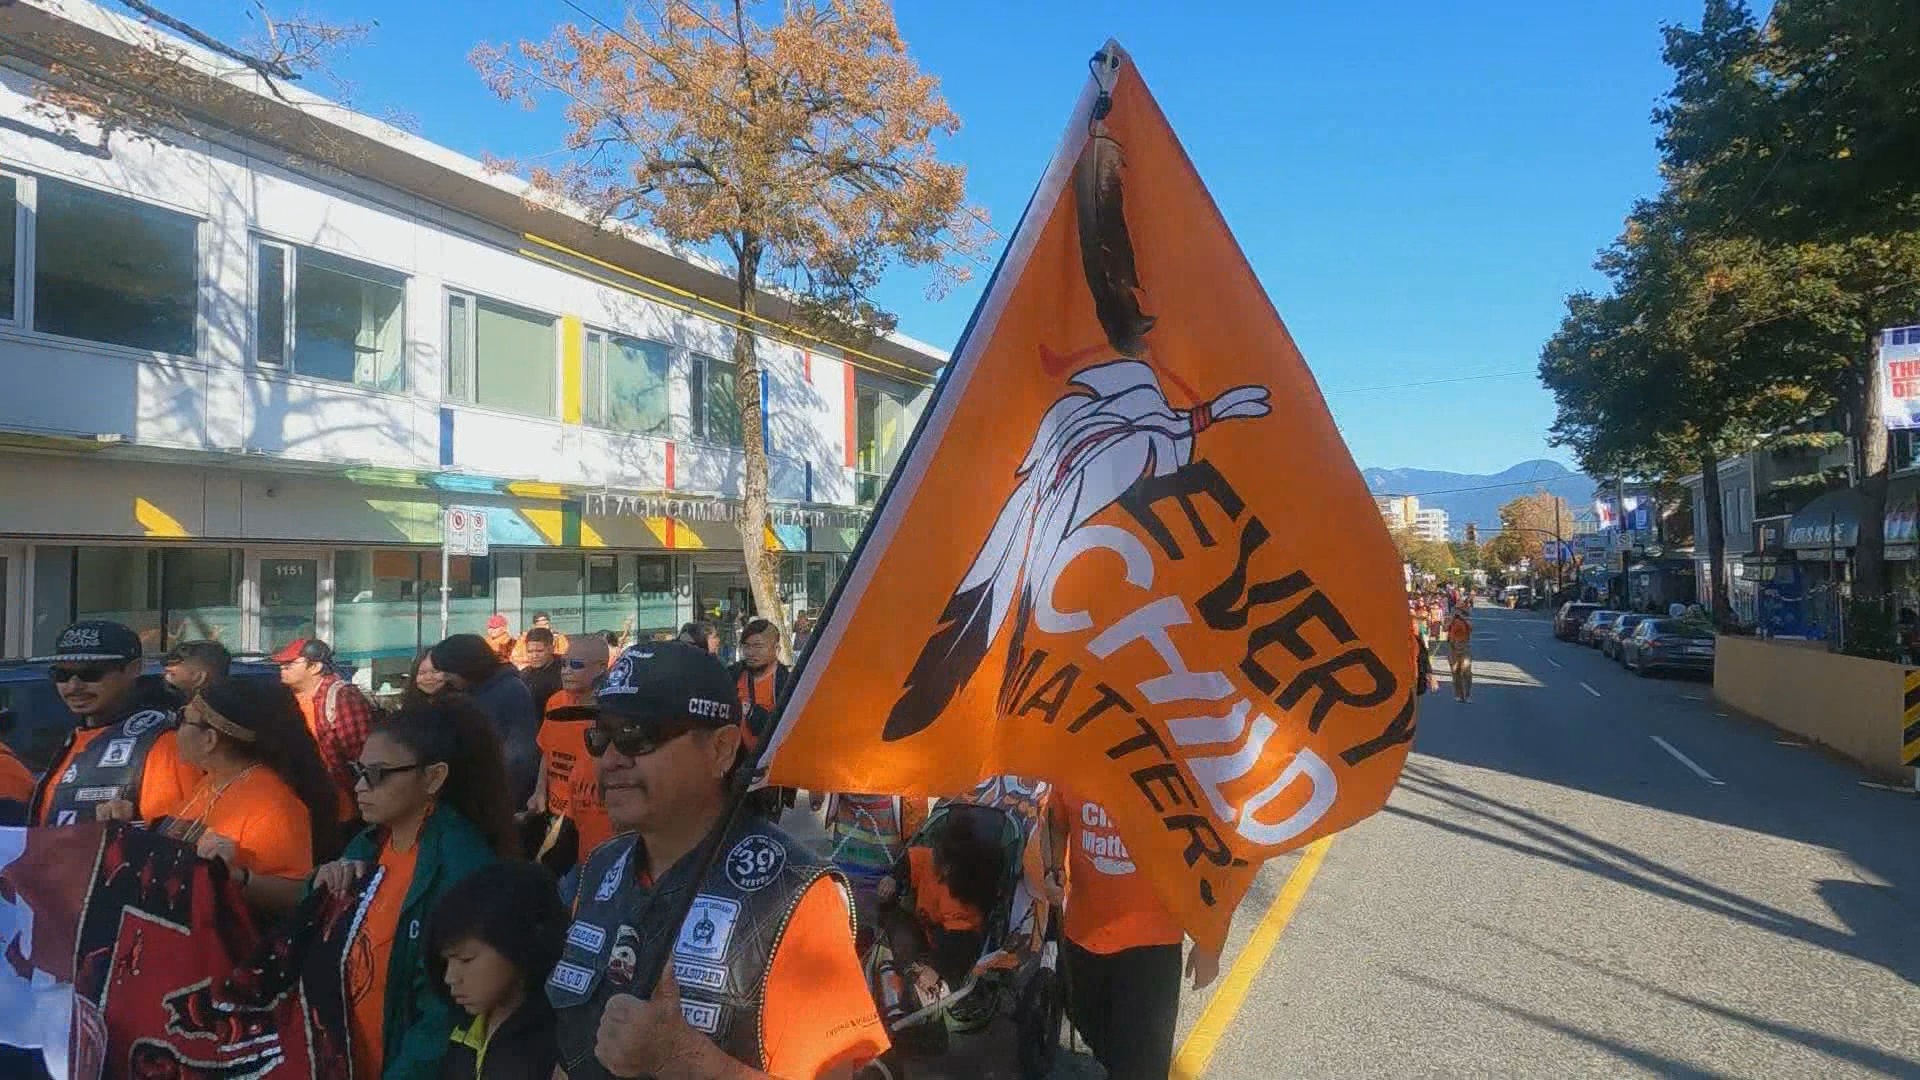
{"x":1460,"y":653}
{"x":1121,"y":949}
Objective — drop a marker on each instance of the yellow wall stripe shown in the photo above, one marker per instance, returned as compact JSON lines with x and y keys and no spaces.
{"x":156,"y":521}
{"x":572,"y":346}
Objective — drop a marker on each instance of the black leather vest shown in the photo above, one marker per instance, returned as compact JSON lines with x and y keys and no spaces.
{"x":721,"y":954}
{"x":110,"y":767}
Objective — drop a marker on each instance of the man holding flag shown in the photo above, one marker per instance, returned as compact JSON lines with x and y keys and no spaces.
{"x":763,"y":978}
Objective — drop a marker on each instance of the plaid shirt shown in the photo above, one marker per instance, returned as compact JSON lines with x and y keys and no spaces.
{"x":339,"y":716}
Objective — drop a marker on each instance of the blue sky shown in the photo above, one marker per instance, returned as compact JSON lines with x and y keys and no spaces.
{"x":1417,"y":184}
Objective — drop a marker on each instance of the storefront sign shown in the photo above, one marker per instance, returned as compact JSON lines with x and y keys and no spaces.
{"x":1900,"y":378}
{"x":688,"y":508}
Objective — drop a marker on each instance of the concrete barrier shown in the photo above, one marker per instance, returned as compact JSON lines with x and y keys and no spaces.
{"x":1858,"y":707}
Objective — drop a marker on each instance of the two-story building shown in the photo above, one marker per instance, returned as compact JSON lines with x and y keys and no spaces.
{"x":248,"y":358}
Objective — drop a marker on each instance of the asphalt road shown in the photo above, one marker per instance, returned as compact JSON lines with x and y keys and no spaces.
{"x":1553,"y":892}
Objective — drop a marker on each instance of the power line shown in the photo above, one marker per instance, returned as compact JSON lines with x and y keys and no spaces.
{"x":1487,"y":487}
{"x":1428,"y":382}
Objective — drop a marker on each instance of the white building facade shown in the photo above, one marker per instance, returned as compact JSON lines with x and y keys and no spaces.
{"x":239,"y":386}
{"x":1431,"y":524}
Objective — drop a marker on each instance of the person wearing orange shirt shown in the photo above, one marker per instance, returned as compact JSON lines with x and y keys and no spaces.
{"x":1121,"y":950}
{"x":759,"y":679}
{"x":763,"y":978}
{"x":568,"y":786}
{"x":264,"y":804}
{"x":952,"y":884}
{"x":16,"y":787}
{"x":432,"y":786}
{"x":124,"y":746}
{"x":541,"y":621}
{"x":1460,"y":653}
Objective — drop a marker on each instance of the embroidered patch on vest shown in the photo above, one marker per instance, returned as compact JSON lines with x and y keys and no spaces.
{"x":118,"y":753}
{"x":611,"y":883}
{"x":754,"y":862}
{"x":700,"y":1016}
{"x":704,"y":976}
{"x":585,"y":935}
{"x":570,"y":977}
{"x":708,"y":929}
{"x":96,"y":794}
{"x":625,"y":958}
{"x":144,"y":721}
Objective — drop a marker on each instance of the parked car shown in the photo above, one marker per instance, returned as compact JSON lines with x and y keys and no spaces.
{"x":1566,"y":621}
{"x":1667,"y":645}
{"x":1593,"y":624}
{"x":1610,"y":636}
{"x":37,"y":720}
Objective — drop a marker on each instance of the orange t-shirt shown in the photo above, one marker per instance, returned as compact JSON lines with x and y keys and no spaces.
{"x":164,"y":782}
{"x":268,"y":824}
{"x":1110,"y":904}
{"x":369,"y":957}
{"x":933,"y":902}
{"x":16,"y":783}
{"x":818,"y":1018}
{"x":573,"y":782}
{"x":754,"y":690}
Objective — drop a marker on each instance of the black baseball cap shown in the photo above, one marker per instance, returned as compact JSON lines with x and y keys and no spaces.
{"x":669,"y":680}
{"x":97,"y":641}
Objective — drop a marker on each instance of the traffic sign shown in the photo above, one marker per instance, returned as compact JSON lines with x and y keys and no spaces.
{"x":465,"y":528}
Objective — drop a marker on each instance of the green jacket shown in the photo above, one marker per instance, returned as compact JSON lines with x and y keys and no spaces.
{"x":418,"y":1021}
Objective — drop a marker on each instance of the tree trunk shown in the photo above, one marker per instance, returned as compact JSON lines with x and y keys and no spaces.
{"x":1716,"y":536}
{"x":1870,"y":565}
{"x":763,"y":565}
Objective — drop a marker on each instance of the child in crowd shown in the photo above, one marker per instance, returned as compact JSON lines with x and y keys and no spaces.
{"x":491,"y":944}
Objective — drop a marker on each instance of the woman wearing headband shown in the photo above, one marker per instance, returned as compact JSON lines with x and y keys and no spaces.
{"x":264,"y":804}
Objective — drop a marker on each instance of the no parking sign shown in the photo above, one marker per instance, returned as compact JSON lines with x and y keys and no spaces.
{"x":466,"y":530}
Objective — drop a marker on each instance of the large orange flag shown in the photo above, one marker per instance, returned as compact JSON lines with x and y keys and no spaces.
{"x":1127,"y":550}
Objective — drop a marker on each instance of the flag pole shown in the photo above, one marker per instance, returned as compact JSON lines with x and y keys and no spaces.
{"x":740,"y":782}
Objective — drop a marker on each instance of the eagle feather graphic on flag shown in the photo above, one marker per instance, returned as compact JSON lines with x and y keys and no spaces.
{"x":1113,"y":429}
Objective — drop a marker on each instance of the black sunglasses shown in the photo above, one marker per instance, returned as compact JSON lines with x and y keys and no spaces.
{"x":85,"y":673}
{"x":375,"y":775}
{"x":635,"y":740}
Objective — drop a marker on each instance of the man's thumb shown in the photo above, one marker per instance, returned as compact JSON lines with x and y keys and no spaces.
{"x":666,"y":991}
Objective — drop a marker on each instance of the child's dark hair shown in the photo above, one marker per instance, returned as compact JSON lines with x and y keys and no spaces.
{"x":455,"y":731}
{"x":513,"y":908}
{"x":968,"y":856}
{"x":468,"y":656}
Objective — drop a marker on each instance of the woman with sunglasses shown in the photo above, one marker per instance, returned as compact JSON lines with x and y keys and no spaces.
{"x":264,"y":804}
{"x":432,"y":788}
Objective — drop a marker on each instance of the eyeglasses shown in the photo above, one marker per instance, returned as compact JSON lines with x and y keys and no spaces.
{"x":375,"y":775}
{"x":578,"y":665}
{"x":635,"y":740}
{"x":89,"y":673}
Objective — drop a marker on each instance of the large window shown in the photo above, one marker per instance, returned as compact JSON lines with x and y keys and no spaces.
{"x":115,"y":271}
{"x":626,"y":384}
{"x":328,"y":317}
{"x":883,"y":417}
{"x":500,"y":356}
{"x":167,"y":595}
{"x":553,"y":582}
{"x":713,"y":412}
{"x":9,"y":218}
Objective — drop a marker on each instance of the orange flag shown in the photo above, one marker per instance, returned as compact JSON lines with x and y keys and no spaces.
{"x":1126,"y":551}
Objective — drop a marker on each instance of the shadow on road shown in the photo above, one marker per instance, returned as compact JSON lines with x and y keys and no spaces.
{"x":1657,"y":1064}
{"x":1880,"y":925}
{"x":1844,"y":1049}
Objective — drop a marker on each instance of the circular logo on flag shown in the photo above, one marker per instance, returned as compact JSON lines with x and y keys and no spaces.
{"x":754,"y":862}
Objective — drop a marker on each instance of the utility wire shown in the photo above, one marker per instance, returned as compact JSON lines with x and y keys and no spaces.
{"x":1428,"y":382}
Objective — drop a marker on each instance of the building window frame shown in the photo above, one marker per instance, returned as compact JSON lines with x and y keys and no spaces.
{"x":699,"y":427}
{"x":20,"y":317}
{"x":465,"y":391}
{"x":291,"y":255}
{"x":596,"y":380}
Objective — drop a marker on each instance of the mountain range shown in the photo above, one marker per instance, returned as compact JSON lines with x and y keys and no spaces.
{"x":1476,"y":497}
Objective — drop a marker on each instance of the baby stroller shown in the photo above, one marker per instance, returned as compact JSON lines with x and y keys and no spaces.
{"x":1017,"y":973}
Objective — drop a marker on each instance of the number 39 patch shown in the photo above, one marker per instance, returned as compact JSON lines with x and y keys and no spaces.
{"x":754,"y":862}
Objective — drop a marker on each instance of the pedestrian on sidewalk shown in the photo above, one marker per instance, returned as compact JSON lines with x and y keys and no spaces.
{"x":1460,"y":653}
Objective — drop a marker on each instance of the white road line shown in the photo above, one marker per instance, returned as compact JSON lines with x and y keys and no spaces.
{"x":1589,"y":689}
{"x":1552,"y":661}
{"x":1687,"y":761}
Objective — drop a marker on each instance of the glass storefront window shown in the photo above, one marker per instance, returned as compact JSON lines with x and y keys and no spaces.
{"x":200,"y":592}
{"x":470,"y":601}
{"x":659,"y":608}
{"x":609,"y":606}
{"x":119,"y":584}
{"x":289,"y":600}
{"x":377,"y":614}
{"x":553,"y":582}
{"x":167,"y":595}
